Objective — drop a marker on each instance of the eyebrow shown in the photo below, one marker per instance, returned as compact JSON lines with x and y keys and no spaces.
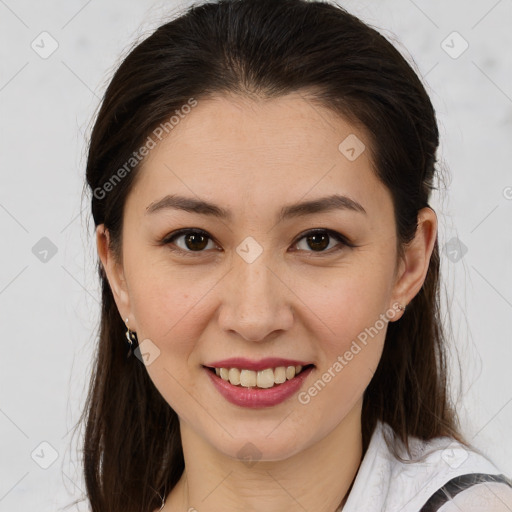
{"x":198,"y":206}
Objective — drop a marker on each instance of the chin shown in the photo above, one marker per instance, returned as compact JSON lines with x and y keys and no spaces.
{"x":266,"y":444}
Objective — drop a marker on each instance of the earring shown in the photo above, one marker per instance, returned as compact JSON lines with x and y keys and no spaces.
{"x":401,"y":307}
{"x":131,"y":336}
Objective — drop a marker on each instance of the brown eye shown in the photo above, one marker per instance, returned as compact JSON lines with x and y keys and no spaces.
{"x":319,"y":240}
{"x":190,"y":240}
{"x":195,"y":241}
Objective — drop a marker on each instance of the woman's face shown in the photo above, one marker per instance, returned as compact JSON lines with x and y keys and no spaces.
{"x":255,"y":283}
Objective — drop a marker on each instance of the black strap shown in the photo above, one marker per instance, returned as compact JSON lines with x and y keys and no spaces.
{"x":459,"y":484}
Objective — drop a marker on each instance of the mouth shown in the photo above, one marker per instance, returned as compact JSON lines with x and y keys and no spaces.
{"x":272,"y":377}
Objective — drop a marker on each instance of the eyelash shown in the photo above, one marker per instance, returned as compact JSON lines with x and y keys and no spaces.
{"x":333,"y":234}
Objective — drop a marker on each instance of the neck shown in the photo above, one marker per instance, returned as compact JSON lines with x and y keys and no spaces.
{"x":318,"y":478}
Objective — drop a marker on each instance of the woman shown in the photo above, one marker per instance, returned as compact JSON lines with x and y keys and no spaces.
{"x":260,"y":176}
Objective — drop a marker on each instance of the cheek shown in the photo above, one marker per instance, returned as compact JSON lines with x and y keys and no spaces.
{"x":350,"y":304}
{"x":173,"y":318}
{"x":351,"y":313}
{"x":166,"y":299}
{"x":354,"y":324}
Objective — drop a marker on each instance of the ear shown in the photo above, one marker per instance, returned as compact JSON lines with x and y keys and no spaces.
{"x":114,"y":272}
{"x":414,"y":265}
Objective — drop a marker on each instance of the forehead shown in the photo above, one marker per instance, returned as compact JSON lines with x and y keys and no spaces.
{"x":261,"y":151}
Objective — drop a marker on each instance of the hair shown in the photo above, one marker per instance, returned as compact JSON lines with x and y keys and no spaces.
{"x":132,"y":448}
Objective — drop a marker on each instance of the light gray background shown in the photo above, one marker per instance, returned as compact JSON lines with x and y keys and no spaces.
{"x":49,"y":310}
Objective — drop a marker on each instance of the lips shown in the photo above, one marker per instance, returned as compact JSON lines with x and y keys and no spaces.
{"x":258,"y":383}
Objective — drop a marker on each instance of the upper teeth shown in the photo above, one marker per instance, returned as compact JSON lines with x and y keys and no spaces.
{"x":262,"y":378}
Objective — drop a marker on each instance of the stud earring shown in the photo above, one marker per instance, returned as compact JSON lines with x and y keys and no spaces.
{"x":401,"y":307}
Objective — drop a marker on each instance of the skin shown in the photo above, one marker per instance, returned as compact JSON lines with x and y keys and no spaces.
{"x":254,"y":157}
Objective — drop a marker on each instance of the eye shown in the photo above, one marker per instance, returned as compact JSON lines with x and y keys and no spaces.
{"x":193,"y":240}
{"x":197,"y":240}
{"x":318,"y":240}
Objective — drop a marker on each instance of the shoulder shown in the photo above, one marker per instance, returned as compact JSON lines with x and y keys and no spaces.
{"x":433,"y":473}
{"x":488,"y":496}
{"x":443,"y":464}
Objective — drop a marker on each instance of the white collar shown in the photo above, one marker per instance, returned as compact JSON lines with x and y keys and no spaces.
{"x":385,"y":484}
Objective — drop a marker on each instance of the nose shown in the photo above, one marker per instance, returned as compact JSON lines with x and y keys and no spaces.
{"x":255,"y":303}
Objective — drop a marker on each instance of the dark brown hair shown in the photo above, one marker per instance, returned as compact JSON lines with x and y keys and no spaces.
{"x":267,"y":48}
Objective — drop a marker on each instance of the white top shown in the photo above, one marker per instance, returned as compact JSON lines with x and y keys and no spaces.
{"x":385,"y":484}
